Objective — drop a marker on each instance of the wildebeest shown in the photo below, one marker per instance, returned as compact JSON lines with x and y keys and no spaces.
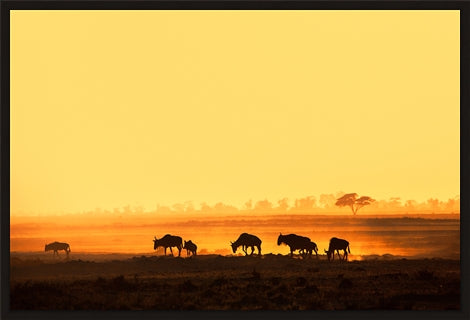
{"x":312,"y":246}
{"x":246,"y":240}
{"x":169,"y":241}
{"x":295,"y":242}
{"x":338,"y":244}
{"x":56,"y":246}
{"x":190,"y":247}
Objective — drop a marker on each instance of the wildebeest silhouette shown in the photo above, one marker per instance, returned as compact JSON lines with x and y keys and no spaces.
{"x":169,"y":241}
{"x":295,"y":242}
{"x":338,"y":244}
{"x":246,"y":240}
{"x":190,"y":247}
{"x":56,"y":246}
{"x":311,"y":246}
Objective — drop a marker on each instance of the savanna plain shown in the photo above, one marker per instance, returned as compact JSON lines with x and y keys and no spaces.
{"x":401,"y":262}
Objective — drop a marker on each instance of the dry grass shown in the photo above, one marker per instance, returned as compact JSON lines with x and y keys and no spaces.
{"x":272,"y":282}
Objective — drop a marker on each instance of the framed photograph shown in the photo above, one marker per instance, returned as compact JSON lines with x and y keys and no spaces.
{"x":229,"y":157}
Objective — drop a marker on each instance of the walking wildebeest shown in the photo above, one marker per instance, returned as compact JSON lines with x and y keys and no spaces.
{"x":169,"y":241}
{"x":295,"y":242}
{"x":190,"y":247}
{"x":312,"y":246}
{"x":246,"y":240}
{"x":338,"y":244}
{"x":56,"y":246}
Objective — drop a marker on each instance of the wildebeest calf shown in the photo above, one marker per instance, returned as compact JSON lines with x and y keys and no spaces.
{"x":190,"y":247}
{"x":312,"y":246}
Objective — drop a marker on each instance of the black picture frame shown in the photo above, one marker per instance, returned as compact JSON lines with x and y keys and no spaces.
{"x":6,"y":6}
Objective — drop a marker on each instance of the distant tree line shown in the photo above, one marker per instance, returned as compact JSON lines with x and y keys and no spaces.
{"x":325,"y":203}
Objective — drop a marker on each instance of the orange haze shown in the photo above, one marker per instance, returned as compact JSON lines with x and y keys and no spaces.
{"x":397,"y":235}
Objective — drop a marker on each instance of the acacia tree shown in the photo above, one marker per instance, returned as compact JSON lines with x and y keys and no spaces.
{"x":353,"y":202}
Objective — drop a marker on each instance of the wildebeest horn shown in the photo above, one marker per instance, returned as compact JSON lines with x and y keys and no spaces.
{"x":155,"y":237}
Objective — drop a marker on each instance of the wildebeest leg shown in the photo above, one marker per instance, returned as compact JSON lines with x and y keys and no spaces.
{"x":171,"y":250}
{"x":259,"y":250}
{"x":252,"y":250}
{"x":165,"y":251}
{"x":179,"y":252}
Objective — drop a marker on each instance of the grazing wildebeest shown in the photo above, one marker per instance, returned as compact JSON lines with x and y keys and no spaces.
{"x":312,"y":246}
{"x":169,"y":241}
{"x":190,"y":247}
{"x":338,"y":244}
{"x":56,"y":246}
{"x":246,"y":240}
{"x":295,"y":242}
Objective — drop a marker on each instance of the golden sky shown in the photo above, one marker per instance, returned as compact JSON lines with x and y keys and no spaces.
{"x":110,"y":108}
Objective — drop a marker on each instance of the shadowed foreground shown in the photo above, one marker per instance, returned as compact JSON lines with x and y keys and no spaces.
{"x":272,"y":282}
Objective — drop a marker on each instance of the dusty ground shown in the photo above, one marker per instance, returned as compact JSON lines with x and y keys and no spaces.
{"x":211,"y":282}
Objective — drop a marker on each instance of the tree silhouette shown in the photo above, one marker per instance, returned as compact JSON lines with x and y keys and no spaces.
{"x":283,"y":204}
{"x":305,"y":204}
{"x":351,"y":200}
{"x":327,"y":200}
{"x":263,"y":205}
{"x":248,"y":205}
